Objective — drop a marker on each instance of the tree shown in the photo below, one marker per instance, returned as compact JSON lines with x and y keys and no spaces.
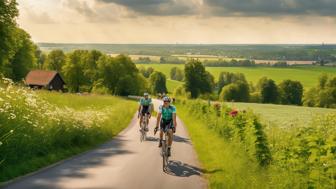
{"x":55,"y":60}
{"x":73,"y":71}
{"x":197,"y":80}
{"x":120,"y":75}
{"x":24,"y":57}
{"x":268,"y":90}
{"x":146,"y":72}
{"x":8,"y":14}
{"x":291,"y":92}
{"x":41,"y":58}
{"x":176,"y":74}
{"x":226,"y":78}
{"x":238,"y":92}
{"x":158,"y":83}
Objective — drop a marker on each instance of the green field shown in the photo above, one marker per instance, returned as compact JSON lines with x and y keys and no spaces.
{"x":308,"y":75}
{"x":41,"y":128}
{"x":228,"y":147}
{"x":282,"y":115}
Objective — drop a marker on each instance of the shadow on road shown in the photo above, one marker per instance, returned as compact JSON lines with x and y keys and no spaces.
{"x":176,"y":139}
{"x":180,"y":169}
{"x":72,"y":168}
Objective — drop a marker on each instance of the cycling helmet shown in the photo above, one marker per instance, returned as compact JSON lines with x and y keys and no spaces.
{"x":145,"y":94}
{"x":166,"y":99}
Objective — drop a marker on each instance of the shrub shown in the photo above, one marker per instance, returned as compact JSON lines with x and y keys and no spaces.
{"x":238,"y":92}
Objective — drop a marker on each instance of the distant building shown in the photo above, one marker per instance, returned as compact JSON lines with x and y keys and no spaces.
{"x":40,"y":79}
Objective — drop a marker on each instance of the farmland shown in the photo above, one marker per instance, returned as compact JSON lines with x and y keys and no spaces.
{"x":283,"y":115}
{"x":38,"y":129}
{"x":307,"y":75}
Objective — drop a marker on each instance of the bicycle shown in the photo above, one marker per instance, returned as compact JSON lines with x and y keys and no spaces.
{"x":143,"y":125}
{"x":164,"y":151}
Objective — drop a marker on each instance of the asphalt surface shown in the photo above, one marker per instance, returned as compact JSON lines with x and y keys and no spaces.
{"x":124,"y":163}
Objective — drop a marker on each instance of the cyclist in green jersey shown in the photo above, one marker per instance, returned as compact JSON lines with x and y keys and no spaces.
{"x":145,"y":105}
{"x":167,"y":120}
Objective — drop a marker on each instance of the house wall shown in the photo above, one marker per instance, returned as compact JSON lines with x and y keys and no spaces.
{"x":56,"y":84}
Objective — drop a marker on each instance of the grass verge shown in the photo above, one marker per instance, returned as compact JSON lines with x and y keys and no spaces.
{"x":39,"y":129}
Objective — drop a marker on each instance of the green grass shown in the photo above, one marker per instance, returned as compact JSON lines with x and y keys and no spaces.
{"x":173,"y":84}
{"x":283,"y":115}
{"x":307,"y":75}
{"x":301,"y":156}
{"x":224,"y":165}
{"x":38,"y":129}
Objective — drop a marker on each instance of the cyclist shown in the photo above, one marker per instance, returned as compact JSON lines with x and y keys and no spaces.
{"x":167,"y":120}
{"x":145,"y":105}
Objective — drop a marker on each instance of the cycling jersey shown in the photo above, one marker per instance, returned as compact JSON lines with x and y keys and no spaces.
{"x":145,"y":102}
{"x":167,"y":112}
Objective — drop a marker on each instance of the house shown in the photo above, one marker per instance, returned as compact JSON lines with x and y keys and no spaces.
{"x":41,"y":79}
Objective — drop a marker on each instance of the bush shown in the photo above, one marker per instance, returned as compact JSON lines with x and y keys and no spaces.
{"x":268,"y":90}
{"x":291,"y":92}
{"x":238,"y":92}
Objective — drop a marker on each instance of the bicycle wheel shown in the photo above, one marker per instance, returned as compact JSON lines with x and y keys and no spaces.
{"x":164,"y":155}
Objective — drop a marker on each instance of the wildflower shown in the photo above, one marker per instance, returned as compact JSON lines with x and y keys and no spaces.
{"x":12,"y":131}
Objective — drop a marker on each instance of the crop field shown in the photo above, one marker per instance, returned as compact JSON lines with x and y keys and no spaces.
{"x":283,"y":115}
{"x":40,"y":128}
{"x":307,"y":75}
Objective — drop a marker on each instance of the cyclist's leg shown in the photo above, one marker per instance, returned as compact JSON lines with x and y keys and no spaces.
{"x":170,"y":134}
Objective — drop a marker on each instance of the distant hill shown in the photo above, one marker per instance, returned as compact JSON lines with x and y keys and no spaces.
{"x":309,"y":52}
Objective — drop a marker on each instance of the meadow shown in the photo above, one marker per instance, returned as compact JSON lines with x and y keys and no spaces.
{"x":307,"y":75}
{"x":282,"y":115}
{"x":41,"y":128}
{"x":242,"y":152}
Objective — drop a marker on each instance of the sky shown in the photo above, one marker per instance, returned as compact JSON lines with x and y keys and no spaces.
{"x":180,"y":21}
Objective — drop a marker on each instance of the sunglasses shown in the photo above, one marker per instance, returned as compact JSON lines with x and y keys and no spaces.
{"x":166,"y":101}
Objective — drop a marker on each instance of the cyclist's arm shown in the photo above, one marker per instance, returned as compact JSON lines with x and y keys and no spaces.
{"x":174,"y":120}
{"x":158,"y":119}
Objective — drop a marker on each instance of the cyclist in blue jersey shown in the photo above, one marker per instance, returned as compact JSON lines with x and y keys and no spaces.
{"x":167,"y":120}
{"x":145,"y":105}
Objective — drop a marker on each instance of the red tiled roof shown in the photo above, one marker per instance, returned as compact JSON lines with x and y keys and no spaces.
{"x":40,"y":77}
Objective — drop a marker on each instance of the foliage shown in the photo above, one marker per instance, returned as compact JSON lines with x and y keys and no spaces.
{"x":324,"y":95}
{"x":238,"y":92}
{"x":226,"y":78}
{"x":260,"y":156}
{"x":35,"y":132}
{"x":268,"y":90}
{"x":176,"y":74}
{"x":55,"y":61}
{"x":197,"y":80}
{"x":24,"y":57}
{"x":291,"y":92}
{"x":231,"y":63}
{"x":8,"y":14}
{"x":146,"y":72}
{"x":157,"y":82}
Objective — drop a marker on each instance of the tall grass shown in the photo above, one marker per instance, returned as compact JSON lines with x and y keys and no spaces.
{"x":240,"y":152}
{"x":35,"y":132}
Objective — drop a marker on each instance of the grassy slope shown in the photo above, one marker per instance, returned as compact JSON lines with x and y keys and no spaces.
{"x":173,"y":84}
{"x":307,"y":75}
{"x":283,"y":115}
{"x":118,"y":118}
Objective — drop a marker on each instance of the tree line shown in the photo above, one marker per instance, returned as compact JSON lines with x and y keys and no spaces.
{"x":234,"y":87}
{"x":17,"y":51}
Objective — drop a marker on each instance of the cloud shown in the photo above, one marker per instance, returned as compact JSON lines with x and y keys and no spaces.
{"x":271,"y":7}
{"x":159,"y":7}
{"x":228,"y":8}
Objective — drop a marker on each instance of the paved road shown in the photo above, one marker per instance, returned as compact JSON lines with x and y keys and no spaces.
{"x":124,"y":163}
